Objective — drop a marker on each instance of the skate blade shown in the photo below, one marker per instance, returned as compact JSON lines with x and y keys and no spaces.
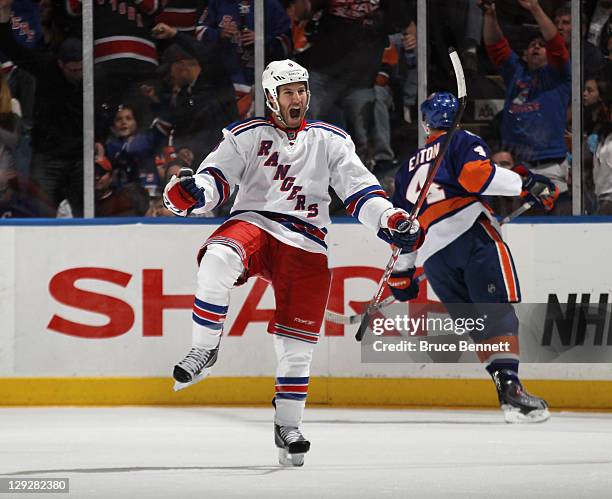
{"x":290,"y":460}
{"x":512,"y":415}
{"x":181,"y":386}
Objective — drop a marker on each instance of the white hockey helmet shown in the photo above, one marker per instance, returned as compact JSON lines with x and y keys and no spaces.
{"x":279,"y":73}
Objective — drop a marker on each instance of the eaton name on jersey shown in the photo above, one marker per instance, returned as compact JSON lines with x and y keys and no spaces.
{"x":424,"y":155}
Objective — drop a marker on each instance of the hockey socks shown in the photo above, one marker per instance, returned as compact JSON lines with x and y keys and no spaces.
{"x":510,"y":365}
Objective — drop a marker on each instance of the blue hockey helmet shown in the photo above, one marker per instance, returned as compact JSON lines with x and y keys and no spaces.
{"x":439,"y":110}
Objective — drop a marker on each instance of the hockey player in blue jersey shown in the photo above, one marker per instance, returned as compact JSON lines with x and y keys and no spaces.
{"x":463,"y":254}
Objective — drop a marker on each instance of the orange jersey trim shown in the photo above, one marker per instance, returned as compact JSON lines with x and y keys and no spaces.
{"x":442,"y":208}
{"x":434,"y":136}
{"x":505,"y":261}
{"x":475,"y":175}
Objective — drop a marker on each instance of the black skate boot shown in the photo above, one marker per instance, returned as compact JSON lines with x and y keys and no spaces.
{"x":194,"y":367}
{"x":519,"y":406}
{"x":291,"y":445}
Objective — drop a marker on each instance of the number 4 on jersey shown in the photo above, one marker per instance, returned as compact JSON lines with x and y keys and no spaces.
{"x":435,"y":194}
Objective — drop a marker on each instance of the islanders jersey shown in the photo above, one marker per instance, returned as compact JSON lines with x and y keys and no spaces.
{"x":456,"y":197}
{"x":284,"y":177}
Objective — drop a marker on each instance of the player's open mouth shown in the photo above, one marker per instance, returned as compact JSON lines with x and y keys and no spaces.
{"x":295,"y":113}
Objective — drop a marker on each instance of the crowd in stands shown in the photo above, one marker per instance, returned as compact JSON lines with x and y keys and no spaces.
{"x":170,"y":74}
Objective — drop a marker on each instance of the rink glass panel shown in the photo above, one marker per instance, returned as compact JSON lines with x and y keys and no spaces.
{"x":448,"y":24}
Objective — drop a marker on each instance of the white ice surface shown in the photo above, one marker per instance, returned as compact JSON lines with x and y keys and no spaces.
{"x":183,"y":453}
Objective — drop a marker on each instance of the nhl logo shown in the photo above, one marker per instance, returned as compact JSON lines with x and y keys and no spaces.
{"x":491,"y":288}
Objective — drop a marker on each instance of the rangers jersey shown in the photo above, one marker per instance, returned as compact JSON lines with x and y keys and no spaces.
{"x":180,"y":14}
{"x":534,"y":116}
{"x":456,"y":197}
{"x":284,"y":176}
{"x":122,"y":30}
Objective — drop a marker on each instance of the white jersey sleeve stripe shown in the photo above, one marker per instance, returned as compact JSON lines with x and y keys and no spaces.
{"x":223,"y":186}
{"x":355,"y":202}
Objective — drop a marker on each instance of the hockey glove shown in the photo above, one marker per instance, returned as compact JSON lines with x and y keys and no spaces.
{"x":403,"y":285}
{"x":182,"y":195}
{"x":538,"y":189}
{"x":405,"y":233}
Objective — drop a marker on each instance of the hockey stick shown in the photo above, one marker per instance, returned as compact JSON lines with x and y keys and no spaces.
{"x":518,"y":212}
{"x":348,"y":320}
{"x":461,"y":95}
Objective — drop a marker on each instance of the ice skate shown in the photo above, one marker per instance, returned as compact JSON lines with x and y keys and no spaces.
{"x":291,"y":445}
{"x":194,"y":367}
{"x":519,"y":406}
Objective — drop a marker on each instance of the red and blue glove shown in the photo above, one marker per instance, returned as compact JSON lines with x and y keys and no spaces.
{"x":403,"y":285}
{"x":537,"y":189}
{"x":182,"y":195}
{"x":405,"y":233}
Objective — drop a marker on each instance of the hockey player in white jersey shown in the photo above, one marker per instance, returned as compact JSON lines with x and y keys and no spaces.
{"x":276,"y":229}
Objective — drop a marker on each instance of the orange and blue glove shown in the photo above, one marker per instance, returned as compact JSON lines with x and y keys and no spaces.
{"x":537,"y":189}
{"x":403,"y":285}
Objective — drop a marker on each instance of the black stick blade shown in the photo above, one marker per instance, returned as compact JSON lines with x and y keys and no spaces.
{"x":365,"y":322}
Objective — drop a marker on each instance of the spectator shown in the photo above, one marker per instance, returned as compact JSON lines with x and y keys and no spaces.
{"x":10,"y":126}
{"x":227,"y":26}
{"x":197,"y":97}
{"x":169,"y":169}
{"x":16,"y":196}
{"x":594,"y":97}
{"x":128,"y":200}
{"x":597,"y":98}
{"x":132,"y":153}
{"x":124,"y":51}
{"x":23,"y":88}
{"x":186,"y":156}
{"x":600,"y":26}
{"x":595,"y":113}
{"x":398,"y":70}
{"x":344,"y":60}
{"x":504,"y":159}
{"x":72,"y":21}
{"x":25,"y":21}
{"x":183,"y":158}
{"x":181,"y":14}
{"x":57,"y":134}
{"x":53,"y":33}
{"x":602,"y":170}
{"x":299,"y":12}
{"x":537,"y":97}
{"x":28,"y":32}
{"x":591,"y":55}
{"x":457,"y":24}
